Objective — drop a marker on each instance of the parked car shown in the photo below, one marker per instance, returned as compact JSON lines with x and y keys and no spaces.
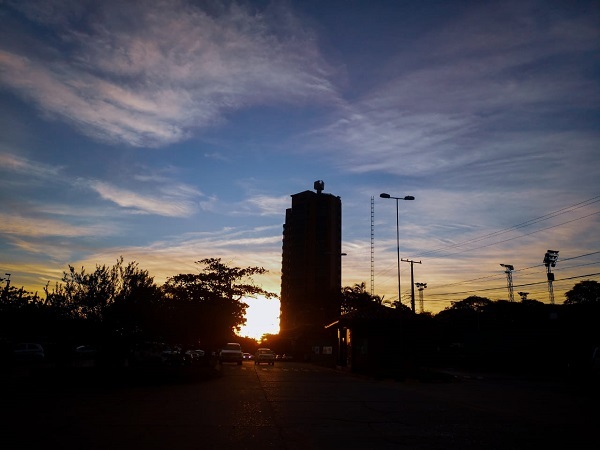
{"x":174,"y":356}
{"x":85,"y":351}
{"x":264,"y":355}
{"x":195,"y":354}
{"x":232,"y":352}
{"x":157,"y":353}
{"x":28,"y":352}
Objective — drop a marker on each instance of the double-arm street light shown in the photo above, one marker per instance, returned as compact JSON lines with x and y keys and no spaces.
{"x":408,"y":197}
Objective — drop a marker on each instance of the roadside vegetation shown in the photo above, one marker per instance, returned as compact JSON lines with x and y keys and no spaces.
{"x":113,"y":308}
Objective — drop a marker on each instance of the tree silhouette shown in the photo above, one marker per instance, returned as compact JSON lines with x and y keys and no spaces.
{"x":356,"y":297}
{"x":208,"y":306}
{"x":584,"y":292}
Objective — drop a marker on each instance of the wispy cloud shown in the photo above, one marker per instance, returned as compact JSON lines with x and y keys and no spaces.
{"x":174,"y":201}
{"x":216,"y":156}
{"x":14,"y":163}
{"x":36,"y":227}
{"x":170,"y":256}
{"x":473,"y":95}
{"x":175,"y":68}
{"x":265,"y":205}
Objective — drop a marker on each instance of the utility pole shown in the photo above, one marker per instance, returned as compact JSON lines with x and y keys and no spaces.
{"x":412,"y":282}
{"x":523,"y":295}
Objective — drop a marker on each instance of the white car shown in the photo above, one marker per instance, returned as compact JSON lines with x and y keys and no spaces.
{"x":232,"y":352}
{"x":264,"y":355}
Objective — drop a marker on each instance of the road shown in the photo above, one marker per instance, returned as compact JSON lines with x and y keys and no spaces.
{"x":297,"y":406}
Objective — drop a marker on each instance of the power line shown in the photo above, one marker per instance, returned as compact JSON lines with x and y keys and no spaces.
{"x":516,"y":285}
{"x":521,"y":225}
{"x":530,"y":222}
{"x":520,"y":236}
{"x":518,"y":270}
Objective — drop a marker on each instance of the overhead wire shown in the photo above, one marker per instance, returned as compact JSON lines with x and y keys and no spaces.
{"x":518,"y":226}
{"x":530,"y":222}
{"x":498,"y":288}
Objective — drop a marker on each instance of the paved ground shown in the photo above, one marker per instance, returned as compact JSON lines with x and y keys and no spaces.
{"x":293,"y":406}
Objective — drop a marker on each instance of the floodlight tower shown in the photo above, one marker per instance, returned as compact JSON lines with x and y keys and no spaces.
{"x":372,"y":246}
{"x":550,"y":259}
{"x":509,"y":268}
{"x":523,"y":295}
{"x":420,"y":287}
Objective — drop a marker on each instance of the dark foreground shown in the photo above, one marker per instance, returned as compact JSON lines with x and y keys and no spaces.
{"x":291,"y":406}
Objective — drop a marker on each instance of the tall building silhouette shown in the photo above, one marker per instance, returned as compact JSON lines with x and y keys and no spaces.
{"x":311,"y":275}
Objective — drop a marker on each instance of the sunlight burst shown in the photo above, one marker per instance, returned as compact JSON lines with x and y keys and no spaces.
{"x":262,"y":317}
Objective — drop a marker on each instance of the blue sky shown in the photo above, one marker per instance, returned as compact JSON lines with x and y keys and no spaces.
{"x":171,"y":131}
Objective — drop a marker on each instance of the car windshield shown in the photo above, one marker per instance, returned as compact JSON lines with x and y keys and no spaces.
{"x":232,"y":347}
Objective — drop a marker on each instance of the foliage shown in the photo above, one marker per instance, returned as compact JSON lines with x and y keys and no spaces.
{"x":208,"y":306}
{"x":472,"y":303}
{"x":117,"y":296}
{"x":23,"y":313}
{"x":356,"y":297}
{"x":398,"y":305}
{"x":584,"y":292}
{"x":122,"y":302}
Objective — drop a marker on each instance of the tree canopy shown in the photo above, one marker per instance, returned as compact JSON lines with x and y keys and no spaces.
{"x":209,"y":306}
{"x":584,"y":292}
{"x":123,"y":301}
{"x":356,"y":297}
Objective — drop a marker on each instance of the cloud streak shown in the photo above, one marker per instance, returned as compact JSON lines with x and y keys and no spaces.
{"x":174,"y":69}
{"x":469,"y":91}
{"x":174,"y":201}
{"x":12,"y":224}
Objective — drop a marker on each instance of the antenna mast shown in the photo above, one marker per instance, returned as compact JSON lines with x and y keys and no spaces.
{"x":372,"y":246}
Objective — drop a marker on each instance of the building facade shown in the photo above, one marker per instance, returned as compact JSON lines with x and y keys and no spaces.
{"x":311,"y":274}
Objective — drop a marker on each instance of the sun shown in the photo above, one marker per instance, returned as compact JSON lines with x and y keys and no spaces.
{"x":262,"y":317}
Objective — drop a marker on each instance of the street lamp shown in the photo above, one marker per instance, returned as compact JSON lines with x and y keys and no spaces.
{"x":408,"y":197}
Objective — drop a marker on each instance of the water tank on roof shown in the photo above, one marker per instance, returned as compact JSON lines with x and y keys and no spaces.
{"x":319,"y":186}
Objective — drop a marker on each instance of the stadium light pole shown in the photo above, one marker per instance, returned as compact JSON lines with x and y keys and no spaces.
{"x":509,"y":284}
{"x":550,"y":259}
{"x":421,"y":286}
{"x":407,"y":197}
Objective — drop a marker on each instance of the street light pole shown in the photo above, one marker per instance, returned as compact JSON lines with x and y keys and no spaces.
{"x":408,"y":197}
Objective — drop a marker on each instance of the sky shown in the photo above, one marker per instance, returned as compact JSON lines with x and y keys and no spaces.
{"x":171,"y":131}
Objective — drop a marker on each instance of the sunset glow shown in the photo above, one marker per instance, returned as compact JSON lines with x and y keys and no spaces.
{"x":262,"y":317}
{"x":182,"y":134}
